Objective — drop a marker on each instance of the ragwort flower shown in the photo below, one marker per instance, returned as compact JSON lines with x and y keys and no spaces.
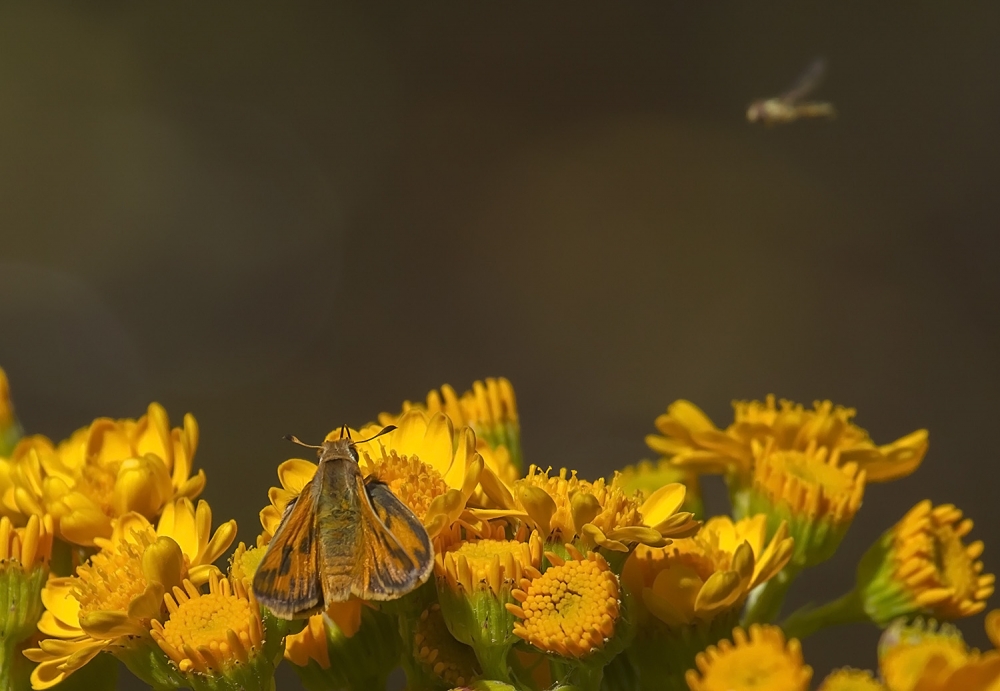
{"x":572,"y":609}
{"x":104,"y":471}
{"x":813,"y":491}
{"x":119,"y":590}
{"x":760,"y":660}
{"x":922,"y":566}
{"x":924,"y":657}
{"x":691,"y":440}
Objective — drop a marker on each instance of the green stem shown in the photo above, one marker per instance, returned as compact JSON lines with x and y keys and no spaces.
{"x":15,"y":669}
{"x":846,"y":609}
{"x":493,"y":659}
{"x":764,"y":603}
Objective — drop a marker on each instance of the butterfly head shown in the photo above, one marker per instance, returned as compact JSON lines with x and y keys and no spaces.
{"x":344,"y":448}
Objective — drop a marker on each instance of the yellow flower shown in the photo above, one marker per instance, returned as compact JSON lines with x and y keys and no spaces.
{"x":813,"y":491}
{"x":10,"y":428}
{"x":104,"y":471}
{"x":24,"y":558}
{"x":245,"y":560}
{"x":418,"y":461}
{"x":847,"y":679}
{"x":475,"y":579}
{"x":921,"y":565}
{"x":692,"y":440}
{"x":210,"y":632}
{"x":120,"y":589}
{"x":442,"y":658}
{"x":924,"y":657}
{"x":490,"y":409}
{"x":700,"y":578}
{"x":571,"y":609}
{"x":759,"y":661}
{"x":564,"y":508}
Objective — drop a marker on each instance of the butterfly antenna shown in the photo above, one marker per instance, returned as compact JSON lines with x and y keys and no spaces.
{"x":295,"y":440}
{"x":385,"y":430}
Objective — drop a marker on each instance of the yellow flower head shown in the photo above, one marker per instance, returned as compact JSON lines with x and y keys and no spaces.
{"x":759,"y":661}
{"x":807,"y":488}
{"x":700,"y":578}
{"x":572,"y":608}
{"x":690,"y":439}
{"x":564,"y":508}
{"x":120,"y":589}
{"x":418,"y":461}
{"x":210,"y":632}
{"x":924,"y":657}
{"x":21,"y":479}
{"x":489,"y":408}
{"x":441,"y":657}
{"x":104,"y":471}
{"x":847,"y":679}
{"x":245,"y":560}
{"x":921,"y":565}
{"x":28,"y":547}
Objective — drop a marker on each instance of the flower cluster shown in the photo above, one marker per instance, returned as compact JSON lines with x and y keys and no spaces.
{"x":539,"y":578}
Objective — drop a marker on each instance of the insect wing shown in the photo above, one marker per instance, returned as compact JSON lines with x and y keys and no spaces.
{"x":806,"y":82}
{"x":287,"y":580}
{"x":396,"y":554}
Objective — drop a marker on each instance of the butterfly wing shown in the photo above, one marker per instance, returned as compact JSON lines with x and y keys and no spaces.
{"x":396,"y":552}
{"x":287,"y":580}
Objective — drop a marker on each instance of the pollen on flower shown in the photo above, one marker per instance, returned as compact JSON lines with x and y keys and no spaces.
{"x":416,"y":484}
{"x":439,"y":653}
{"x":571,"y":609}
{"x":210,"y":632}
{"x":760,"y":660}
{"x":113,"y":578}
{"x":244,"y":562}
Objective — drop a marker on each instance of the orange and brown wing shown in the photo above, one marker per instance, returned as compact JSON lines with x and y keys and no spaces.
{"x":287,"y":580}
{"x":396,"y":553}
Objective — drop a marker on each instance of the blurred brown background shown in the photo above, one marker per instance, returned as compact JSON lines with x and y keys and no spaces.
{"x":286,"y":218}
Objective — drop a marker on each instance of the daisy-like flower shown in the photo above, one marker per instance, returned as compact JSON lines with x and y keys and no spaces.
{"x":10,"y":428}
{"x":690,"y":595}
{"x":572,"y":609}
{"x":475,"y":580}
{"x":443,"y":660}
{"x":690,"y":439}
{"x":847,"y":679}
{"x":760,"y":660}
{"x":564,"y":509}
{"x":924,"y":657}
{"x":118,"y":592}
{"x":21,"y":479}
{"x":813,"y":490}
{"x":489,"y":408}
{"x":700,"y":578}
{"x":104,"y":471}
{"x":418,"y":461}
{"x":219,"y":632}
{"x":921,"y":565}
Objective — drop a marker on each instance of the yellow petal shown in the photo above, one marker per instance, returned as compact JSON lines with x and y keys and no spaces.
{"x":539,"y":505}
{"x":679,"y":585}
{"x":52,"y":671}
{"x":743,"y":563}
{"x":597,"y":536}
{"x":163,"y":562}
{"x":495,"y":490}
{"x":637,"y":533}
{"x":720,"y":591}
{"x":464,"y":458}
{"x":346,"y":615}
{"x":295,"y":474}
{"x":584,"y":507}
{"x":108,"y":625}
{"x":662,"y":504}
{"x":202,"y":573}
{"x":901,"y":458}
{"x":192,"y":487}
{"x":152,"y":435}
{"x":143,"y":485}
{"x":688,"y":416}
{"x":59,"y":599}
{"x":85,"y":522}
{"x":270,"y":519}
{"x":663,"y":609}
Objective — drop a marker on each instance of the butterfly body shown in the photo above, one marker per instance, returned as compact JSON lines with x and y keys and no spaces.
{"x":342,"y":536}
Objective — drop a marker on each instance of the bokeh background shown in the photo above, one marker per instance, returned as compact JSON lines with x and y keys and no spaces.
{"x":285,"y":217}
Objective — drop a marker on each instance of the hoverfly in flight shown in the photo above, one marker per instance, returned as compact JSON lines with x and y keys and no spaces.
{"x":787,"y":107}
